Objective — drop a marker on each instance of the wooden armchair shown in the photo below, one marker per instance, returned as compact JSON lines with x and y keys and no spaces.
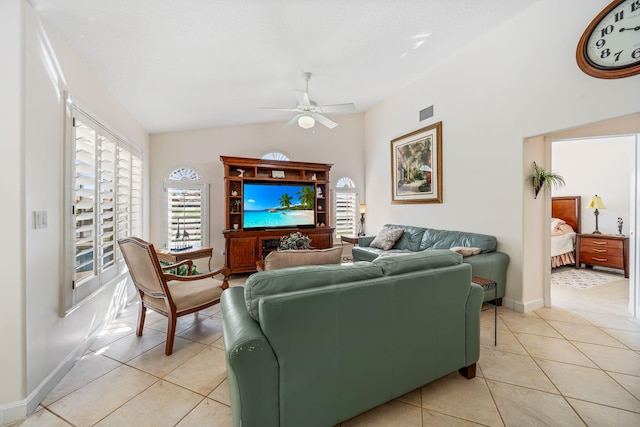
{"x":168,"y":294}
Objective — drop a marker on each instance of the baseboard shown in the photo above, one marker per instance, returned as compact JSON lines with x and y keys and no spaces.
{"x":529,"y":306}
{"x":20,"y":410}
{"x":508,"y":303}
{"x":13,"y":412}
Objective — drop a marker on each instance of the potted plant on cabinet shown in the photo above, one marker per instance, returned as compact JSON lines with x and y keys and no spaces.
{"x":295,"y":241}
{"x":544,"y":179}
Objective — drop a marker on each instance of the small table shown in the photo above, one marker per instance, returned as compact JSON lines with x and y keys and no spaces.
{"x":488,"y":284}
{"x":349,"y":238}
{"x":172,"y":256}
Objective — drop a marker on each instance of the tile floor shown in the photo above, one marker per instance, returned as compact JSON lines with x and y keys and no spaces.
{"x":561,"y":366}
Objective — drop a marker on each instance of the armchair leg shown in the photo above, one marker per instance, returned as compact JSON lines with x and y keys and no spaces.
{"x":171,"y":331}
{"x":141,"y":316}
{"x":468,"y":371}
{"x":225,"y":279}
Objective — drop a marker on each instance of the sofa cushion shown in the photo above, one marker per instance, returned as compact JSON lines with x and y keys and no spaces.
{"x":446,"y":239}
{"x":410,"y":239}
{"x":386,"y":238}
{"x":424,"y":260}
{"x":293,"y":258}
{"x":273,"y":282}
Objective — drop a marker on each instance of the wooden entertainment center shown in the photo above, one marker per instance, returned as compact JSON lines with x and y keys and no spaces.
{"x":244,"y":247}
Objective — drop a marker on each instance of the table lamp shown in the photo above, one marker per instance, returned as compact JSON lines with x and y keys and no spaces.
{"x":596,"y":203}
{"x":363,"y":210}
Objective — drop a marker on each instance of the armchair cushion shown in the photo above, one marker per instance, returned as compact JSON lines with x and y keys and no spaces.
{"x":188,"y":295}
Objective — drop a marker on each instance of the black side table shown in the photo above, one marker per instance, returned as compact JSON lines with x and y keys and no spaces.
{"x":488,"y":284}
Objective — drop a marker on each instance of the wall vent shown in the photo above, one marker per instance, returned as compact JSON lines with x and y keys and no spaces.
{"x":426,"y":113}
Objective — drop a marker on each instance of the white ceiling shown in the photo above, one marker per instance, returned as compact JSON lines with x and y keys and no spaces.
{"x":190,"y":64}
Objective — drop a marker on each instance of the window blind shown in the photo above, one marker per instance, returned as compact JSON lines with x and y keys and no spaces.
{"x":106,"y":181}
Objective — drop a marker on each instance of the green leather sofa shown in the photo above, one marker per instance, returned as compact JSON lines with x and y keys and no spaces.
{"x":317,"y":345}
{"x":489,"y":263}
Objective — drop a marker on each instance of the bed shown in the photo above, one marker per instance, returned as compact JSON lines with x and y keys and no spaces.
{"x":565,"y":224}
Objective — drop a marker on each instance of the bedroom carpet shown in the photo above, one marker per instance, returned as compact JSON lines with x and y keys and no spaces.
{"x":582,"y":279}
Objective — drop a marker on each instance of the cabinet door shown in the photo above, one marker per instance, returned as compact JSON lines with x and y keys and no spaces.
{"x":320,"y":240}
{"x":242,"y":253}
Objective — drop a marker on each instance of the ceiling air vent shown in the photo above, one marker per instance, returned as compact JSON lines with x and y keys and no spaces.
{"x":426,"y":113}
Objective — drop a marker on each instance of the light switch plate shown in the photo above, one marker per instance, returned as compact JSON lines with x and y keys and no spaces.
{"x":40,"y":219}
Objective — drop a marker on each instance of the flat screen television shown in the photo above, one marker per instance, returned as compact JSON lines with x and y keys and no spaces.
{"x":278,"y":205}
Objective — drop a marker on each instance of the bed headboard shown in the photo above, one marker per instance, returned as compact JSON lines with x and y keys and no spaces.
{"x":568,"y":209}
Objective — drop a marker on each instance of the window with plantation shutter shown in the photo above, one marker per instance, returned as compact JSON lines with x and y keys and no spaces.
{"x":106,"y":203}
{"x":345,"y":206}
{"x":274,"y":155}
{"x":85,"y":201}
{"x":136,"y":196}
{"x":105,"y":182}
{"x":186,"y":218}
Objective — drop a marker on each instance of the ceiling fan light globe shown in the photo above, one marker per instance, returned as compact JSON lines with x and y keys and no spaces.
{"x":306,"y":122}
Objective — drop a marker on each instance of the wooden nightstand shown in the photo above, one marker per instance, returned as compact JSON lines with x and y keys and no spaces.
{"x":605,"y":250}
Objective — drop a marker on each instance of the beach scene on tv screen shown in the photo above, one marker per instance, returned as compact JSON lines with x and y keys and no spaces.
{"x":270,"y":205}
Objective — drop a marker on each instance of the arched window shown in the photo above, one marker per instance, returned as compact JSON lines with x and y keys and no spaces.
{"x":346,"y":206}
{"x":275,"y":155}
{"x":186,"y":220}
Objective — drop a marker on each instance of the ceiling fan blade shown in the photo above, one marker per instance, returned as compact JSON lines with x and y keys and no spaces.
{"x":337,"y":108}
{"x":294,"y":120}
{"x":324,"y":121}
{"x":303,"y":97}
{"x":278,"y":109}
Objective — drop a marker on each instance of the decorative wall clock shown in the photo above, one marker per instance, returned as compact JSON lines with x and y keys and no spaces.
{"x":610,"y":46}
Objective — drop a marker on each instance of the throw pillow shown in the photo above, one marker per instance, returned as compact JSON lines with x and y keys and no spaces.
{"x":386,"y":238}
{"x":555,"y":223}
{"x":465,"y":251}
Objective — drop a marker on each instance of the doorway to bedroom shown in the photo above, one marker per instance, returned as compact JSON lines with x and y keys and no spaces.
{"x":592,"y":166}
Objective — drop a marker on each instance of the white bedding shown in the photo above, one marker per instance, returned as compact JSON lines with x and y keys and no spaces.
{"x":562,"y":243}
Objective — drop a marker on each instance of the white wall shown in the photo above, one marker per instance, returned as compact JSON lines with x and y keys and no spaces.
{"x":596,"y":166}
{"x":12,"y":305}
{"x":201,"y":150}
{"x":45,"y":340}
{"x":520,"y":80}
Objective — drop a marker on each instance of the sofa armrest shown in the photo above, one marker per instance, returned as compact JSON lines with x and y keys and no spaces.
{"x":492,"y":265}
{"x":252,"y":368}
{"x":472,"y":324}
{"x":365,"y":241}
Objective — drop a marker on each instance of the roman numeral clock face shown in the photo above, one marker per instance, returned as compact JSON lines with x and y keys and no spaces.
{"x":610,"y":46}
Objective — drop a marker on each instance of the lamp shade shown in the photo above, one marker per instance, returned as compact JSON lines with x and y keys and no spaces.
{"x":363,"y":208}
{"x":596,"y":203}
{"x":306,"y":122}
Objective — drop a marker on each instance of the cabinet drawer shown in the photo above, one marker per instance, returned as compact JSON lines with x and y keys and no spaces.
{"x":594,"y":242}
{"x":602,"y":260}
{"x":602,"y":251}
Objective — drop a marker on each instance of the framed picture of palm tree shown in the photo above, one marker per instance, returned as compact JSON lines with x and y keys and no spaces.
{"x":416,"y":166}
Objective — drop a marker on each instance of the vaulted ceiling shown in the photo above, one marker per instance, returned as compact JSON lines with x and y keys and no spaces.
{"x":190,"y":64}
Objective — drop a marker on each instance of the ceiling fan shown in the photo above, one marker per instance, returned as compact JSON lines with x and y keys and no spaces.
{"x":309,"y":111}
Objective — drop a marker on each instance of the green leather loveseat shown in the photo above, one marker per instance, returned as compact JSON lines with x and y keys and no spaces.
{"x":489,"y":263}
{"x":317,"y":345}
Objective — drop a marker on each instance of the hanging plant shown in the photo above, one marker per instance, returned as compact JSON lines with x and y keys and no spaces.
{"x":544,"y":179}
